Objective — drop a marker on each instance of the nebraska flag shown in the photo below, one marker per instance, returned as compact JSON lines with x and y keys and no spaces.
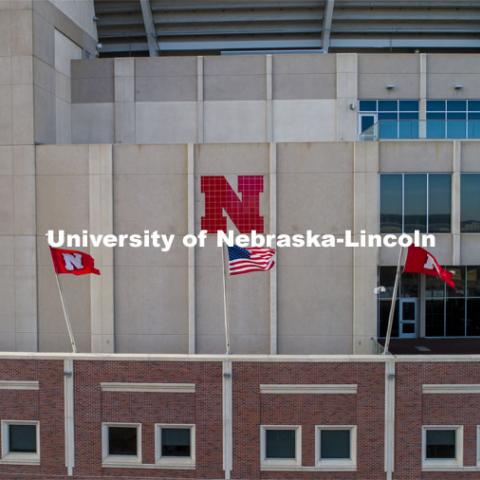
{"x":73,"y":262}
{"x":245,"y":260}
{"x":421,"y":261}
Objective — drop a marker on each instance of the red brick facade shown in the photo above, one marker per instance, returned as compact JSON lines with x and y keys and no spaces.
{"x":250,"y":409}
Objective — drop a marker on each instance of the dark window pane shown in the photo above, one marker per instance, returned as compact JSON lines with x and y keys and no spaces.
{"x":366,"y":123}
{"x":408,"y":105}
{"x":459,"y":279}
{"x":122,"y":441}
{"x":473,"y":281}
{"x":474,"y":105}
{"x":470,"y":203}
{"x":409,"y":285}
{"x":408,"y":125}
{"x":440,"y":444}
{"x":391,"y":203}
{"x":456,"y":105}
{"x":434,"y":318}
{"x":455,"y":317}
{"x":439,"y":203}
{"x":175,"y":442}
{"x":22,"y":438}
{"x":280,"y":444}
{"x":474,"y":125}
{"x":335,"y":444}
{"x":435,"y":288}
{"x":456,"y":125}
{"x":368,"y":105}
{"x":435,"y":105}
{"x":415,"y":202}
{"x":473,"y":317}
{"x":388,"y":125}
{"x":387,"y":280}
{"x":384,"y":312}
{"x":436,"y":128}
{"x":387,"y":106}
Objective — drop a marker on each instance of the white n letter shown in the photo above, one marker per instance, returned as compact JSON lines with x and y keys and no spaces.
{"x":72,"y":261}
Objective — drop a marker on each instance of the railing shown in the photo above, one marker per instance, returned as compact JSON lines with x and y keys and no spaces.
{"x":422,"y":129}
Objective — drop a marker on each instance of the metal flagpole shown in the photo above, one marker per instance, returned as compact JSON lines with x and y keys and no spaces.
{"x":67,"y":321}
{"x":394,"y":301}
{"x":227,"y":327}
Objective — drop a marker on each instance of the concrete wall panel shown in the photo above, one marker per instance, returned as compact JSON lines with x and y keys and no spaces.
{"x":165,"y":122}
{"x":92,"y":123}
{"x":303,"y":120}
{"x":62,"y":173}
{"x":150,"y":193}
{"x":234,"y":121}
{"x":234,"y":78}
{"x":403,"y":157}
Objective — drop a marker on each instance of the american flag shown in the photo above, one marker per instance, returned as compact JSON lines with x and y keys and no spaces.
{"x":245,"y":260}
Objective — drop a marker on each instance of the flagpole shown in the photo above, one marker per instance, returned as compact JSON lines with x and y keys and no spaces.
{"x":67,"y":321}
{"x":227,"y":327}
{"x":394,"y":301}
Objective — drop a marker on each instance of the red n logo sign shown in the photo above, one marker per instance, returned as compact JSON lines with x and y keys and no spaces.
{"x":244,"y":212}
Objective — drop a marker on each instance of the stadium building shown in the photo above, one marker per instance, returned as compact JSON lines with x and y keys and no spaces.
{"x":274,"y":116}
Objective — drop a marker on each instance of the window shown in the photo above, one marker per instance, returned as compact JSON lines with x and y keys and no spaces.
{"x":395,"y":118}
{"x":453,"y":313}
{"x":336,"y":447}
{"x":175,"y":444}
{"x":280,"y":446}
{"x":20,"y":441}
{"x":442,"y":446}
{"x":409,"y":288}
{"x":415,"y":201}
{"x":470,"y":203}
{"x":453,"y":119}
{"x":121,"y":443}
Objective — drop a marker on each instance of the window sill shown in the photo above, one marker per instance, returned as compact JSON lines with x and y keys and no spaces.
{"x":148,"y":466}
{"x":301,"y":468}
{"x":446,"y":466}
{"x":19,"y":460}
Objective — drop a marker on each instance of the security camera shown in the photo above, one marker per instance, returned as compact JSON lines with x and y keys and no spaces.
{"x":380,"y":289}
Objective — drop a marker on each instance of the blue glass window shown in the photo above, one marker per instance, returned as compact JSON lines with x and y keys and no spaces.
{"x":470,"y":203}
{"x":395,"y":118}
{"x":387,"y":105}
{"x":415,"y":201}
{"x":453,"y":119}
{"x":408,"y":105}
{"x":368,"y":105}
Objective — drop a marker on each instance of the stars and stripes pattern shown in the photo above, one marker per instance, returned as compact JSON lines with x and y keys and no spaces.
{"x":246,"y":260}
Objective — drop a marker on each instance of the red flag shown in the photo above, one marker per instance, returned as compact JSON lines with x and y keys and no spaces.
{"x":421,"y":261}
{"x":73,"y":262}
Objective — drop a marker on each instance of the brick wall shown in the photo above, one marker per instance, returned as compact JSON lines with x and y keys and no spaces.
{"x":250,"y":409}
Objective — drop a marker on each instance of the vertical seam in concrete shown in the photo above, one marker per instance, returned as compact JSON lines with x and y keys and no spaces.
{"x":227,"y":418}
{"x":273,"y":229}
{"x":423,"y":96}
{"x":191,"y":251}
{"x":389,"y":418}
{"x":269,"y":103}
{"x":456,"y":177}
{"x":68,"y":396}
{"x":101,"y":221}
{"x":200,"y":103}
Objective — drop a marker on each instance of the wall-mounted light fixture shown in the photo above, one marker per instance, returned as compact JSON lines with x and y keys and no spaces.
{"x":458,"y":86}
{"x":390,"y":86}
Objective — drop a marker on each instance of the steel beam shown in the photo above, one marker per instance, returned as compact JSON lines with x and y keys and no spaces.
{"x":327,"y":24}
{"x":149,"y":28}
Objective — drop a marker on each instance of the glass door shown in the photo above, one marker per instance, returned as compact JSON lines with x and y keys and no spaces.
{"x":408,"y":318}
{"x":367,"y":124}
